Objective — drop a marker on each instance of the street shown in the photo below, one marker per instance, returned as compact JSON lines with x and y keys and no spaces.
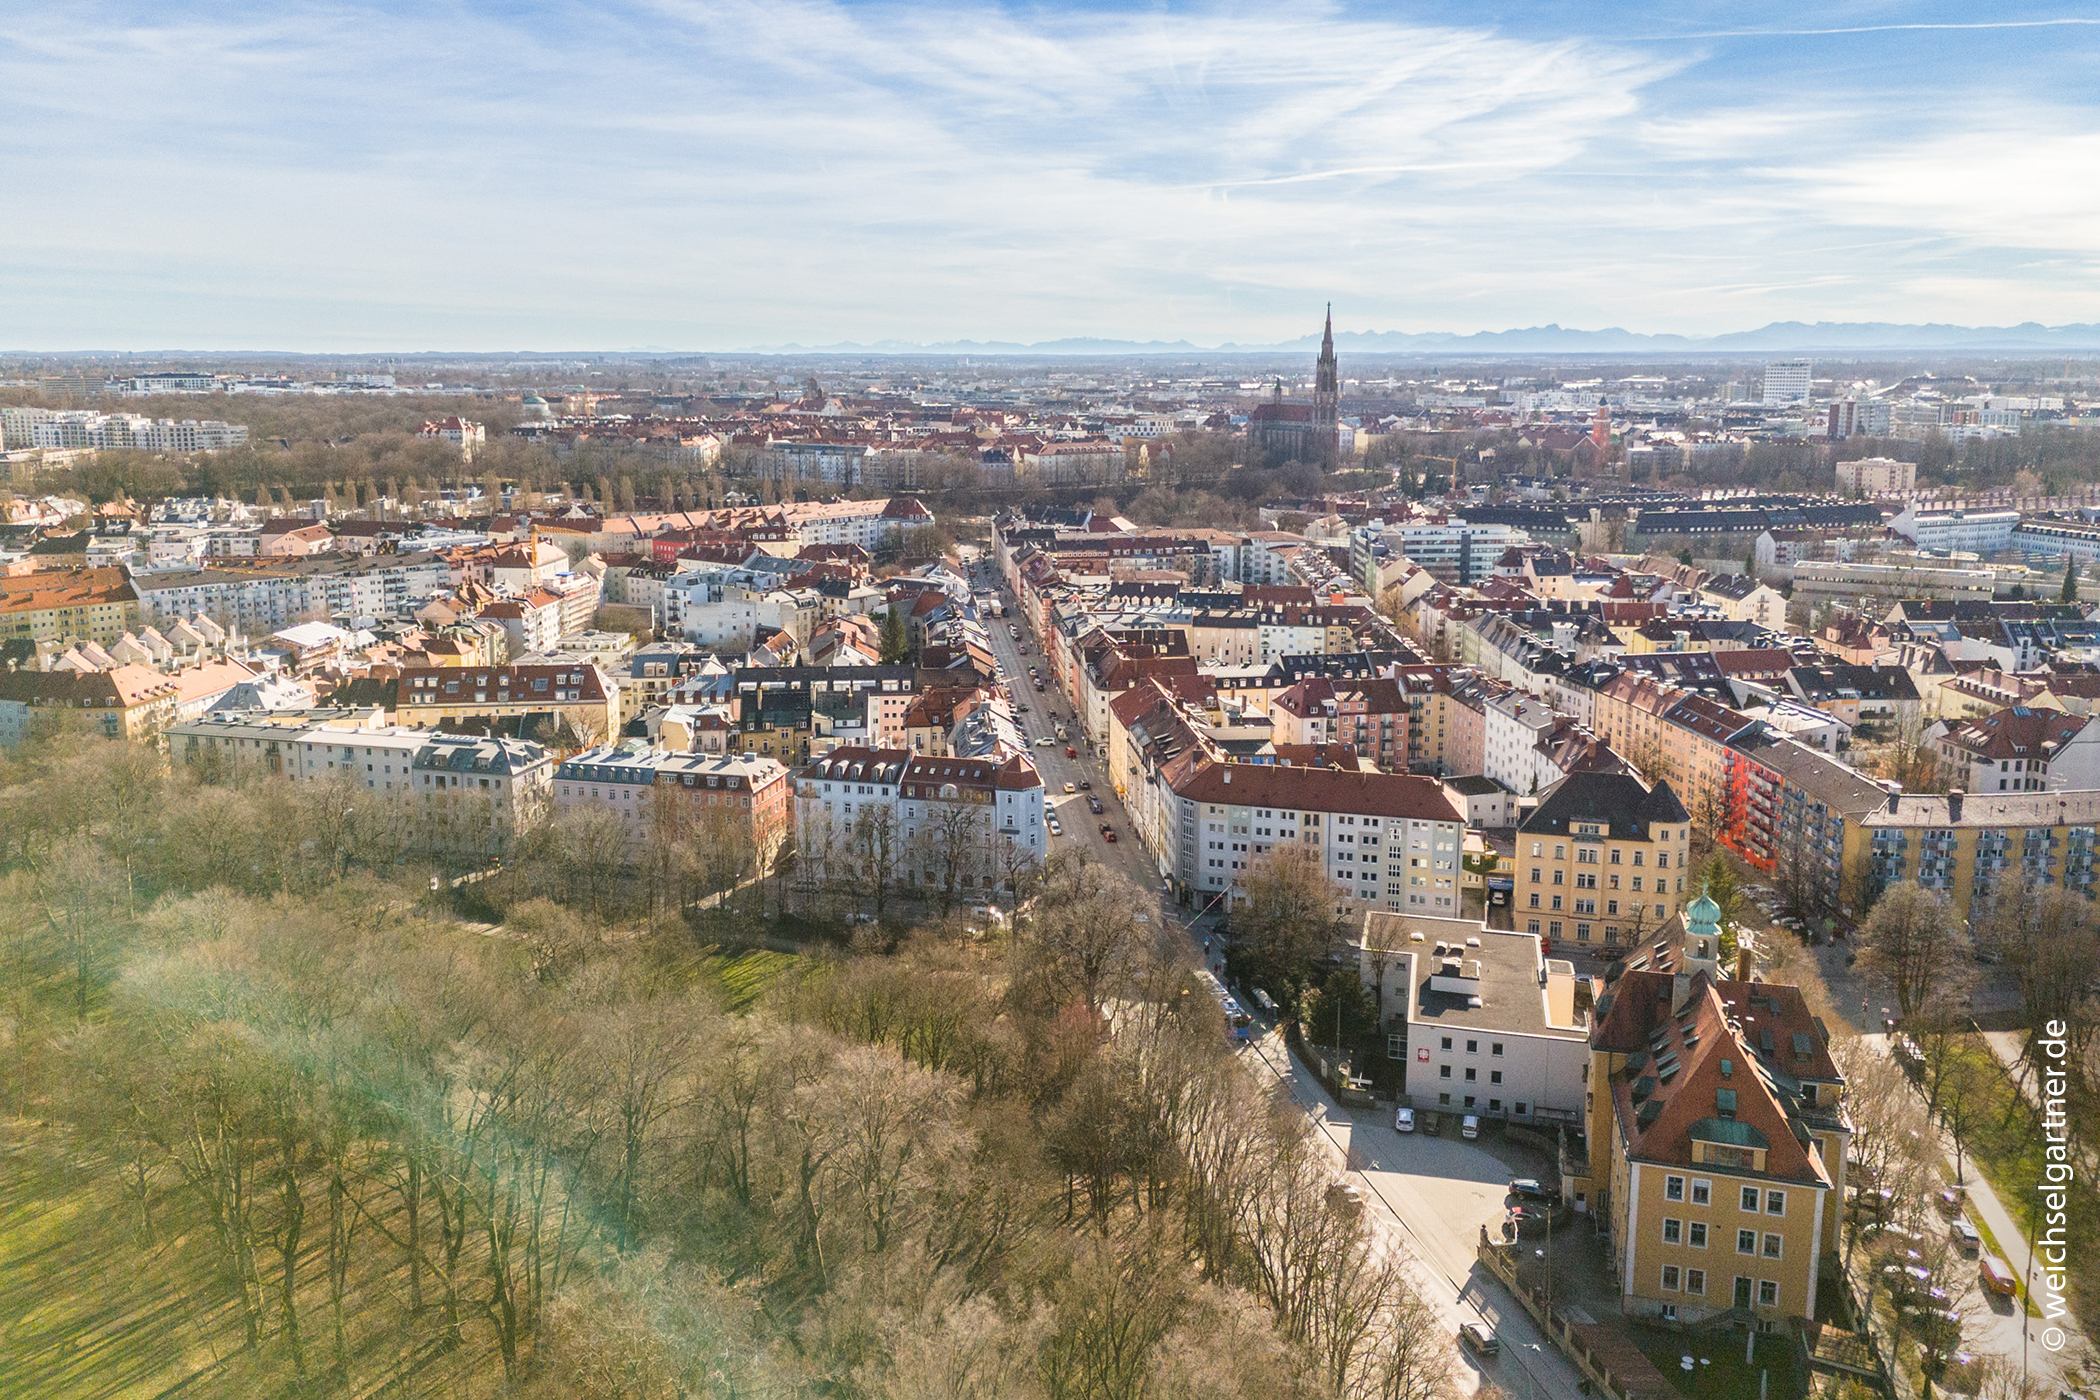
{"x":1429,"y":1196}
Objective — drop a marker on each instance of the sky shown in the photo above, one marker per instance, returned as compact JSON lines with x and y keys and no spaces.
{"x":449,"y":175}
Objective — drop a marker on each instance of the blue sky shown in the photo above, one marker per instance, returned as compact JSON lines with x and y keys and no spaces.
{"x":699,"y":175}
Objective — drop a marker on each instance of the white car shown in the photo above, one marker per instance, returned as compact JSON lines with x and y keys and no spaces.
{"x":1469,"y":1126}
{"x":1070,"y":788}
{"x":1045,"y":742}
{"x":1404,"y":1120}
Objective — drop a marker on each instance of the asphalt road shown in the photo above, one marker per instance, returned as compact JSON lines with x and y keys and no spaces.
{"x":1429,"y":1195}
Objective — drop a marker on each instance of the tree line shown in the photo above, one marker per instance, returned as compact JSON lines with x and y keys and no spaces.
{"x":317,"y":1137}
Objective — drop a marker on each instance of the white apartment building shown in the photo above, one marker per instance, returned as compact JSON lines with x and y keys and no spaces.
{"x":265,"y":597}
{"x":1454,"y":552}
{"x":965,"y":823}
{"x":1483,"y":1021}
{"x":1877,"y":476}
{"x":1971,"y":531}
{"x":1387,"y":840}
{"x":1788,"y":381}
{"x":1514,"y":725}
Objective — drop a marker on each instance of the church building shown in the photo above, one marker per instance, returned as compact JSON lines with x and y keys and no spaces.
{"x":1279,"y":432}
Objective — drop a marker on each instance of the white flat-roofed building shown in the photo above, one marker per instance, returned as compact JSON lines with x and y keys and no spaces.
{"x":1484,"y":1022}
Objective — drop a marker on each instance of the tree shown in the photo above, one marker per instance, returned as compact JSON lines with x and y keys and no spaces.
{"x":1082,"y":940}
{"x":1909,"y":939}
{"x":1343,"y":992}
{"x":2069,"y":592}
{"x":1287,"y":923}
{"x":896,"y":642}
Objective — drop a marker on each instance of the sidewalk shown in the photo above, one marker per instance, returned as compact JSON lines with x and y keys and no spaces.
{"x":1985,"y":1207}
{"x":1531,"y":1366}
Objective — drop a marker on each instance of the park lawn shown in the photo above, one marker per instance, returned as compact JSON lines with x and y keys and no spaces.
{"x":744,"y":977}
{"x":88,"y":1312}
{"x":1727,"y":1378}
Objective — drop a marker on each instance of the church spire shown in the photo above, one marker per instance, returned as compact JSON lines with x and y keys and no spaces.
{"x":1327,"y":396}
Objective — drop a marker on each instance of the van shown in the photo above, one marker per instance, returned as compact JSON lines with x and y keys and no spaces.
{"x":1469,"y":1126}
{"x":1997,"y":1276}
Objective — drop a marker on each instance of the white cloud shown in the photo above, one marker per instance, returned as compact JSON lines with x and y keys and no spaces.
{"x":712,"y":174}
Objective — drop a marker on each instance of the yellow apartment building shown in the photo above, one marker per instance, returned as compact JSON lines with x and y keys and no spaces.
{"x":1977,"y":847}
{"x":1602,"y":858}
{"x":1717,"y":1137}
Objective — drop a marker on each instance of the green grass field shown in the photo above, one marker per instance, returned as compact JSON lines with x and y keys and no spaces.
{"x":1718,"y":1370}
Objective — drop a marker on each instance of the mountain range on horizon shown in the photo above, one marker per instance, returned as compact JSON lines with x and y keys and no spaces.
{"x":1779,"y":337}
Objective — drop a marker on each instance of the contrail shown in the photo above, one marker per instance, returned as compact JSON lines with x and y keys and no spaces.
{"x":1876,"y":29}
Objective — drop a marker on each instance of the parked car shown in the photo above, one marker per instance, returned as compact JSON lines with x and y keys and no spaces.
{"x":1949,"y":1202}
{"x":1045,"y":742}
{"x":1469,"y":1126}
{"x":1478,"y":1339}
{"x":1966,"y":1237}
{"x":1532,"y":1189}
{"x":1433,"y":1123}
{"x":1404,"y":1119}
{"x":1070,"y":788}
{"x":1997,"y":1276}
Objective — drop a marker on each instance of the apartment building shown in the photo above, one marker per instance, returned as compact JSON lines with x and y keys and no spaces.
{"x":2020,"y":749}
{"x":685,"y":795}
{"x":1513,"y":724}
{"x":260,"y":597}
{"x":1484,"y":1022}
{"x":1945,"y":531}
{"x":1370,"y":716}
{"x":124,"y":702}
{"x":1602,"y":858}
{"x":1716,"y":1138}
{"x":57,"y":607}
{"x":1975,"y":848}
{"x":1876,"y":476}
{"x":576,"y":693}
{"x":943,"y":824}
{"x":1386,"y":840}
{"x":466,"y":795}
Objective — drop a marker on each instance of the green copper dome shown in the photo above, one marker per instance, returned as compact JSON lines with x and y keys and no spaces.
{"x":1702,"y":917}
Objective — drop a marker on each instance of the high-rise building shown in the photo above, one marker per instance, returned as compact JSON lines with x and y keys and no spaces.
{"x":1788,"y":381}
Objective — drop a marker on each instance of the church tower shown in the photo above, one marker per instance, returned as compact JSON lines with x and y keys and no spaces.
{"x":1327,"y":398}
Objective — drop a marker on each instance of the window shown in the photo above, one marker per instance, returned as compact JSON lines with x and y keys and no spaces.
{"x":1775,"y":1203}
{"x":1670,"y":1278}
{"x":1673,"y":1188}
{"x":1702,"y":1192}
{"x":1773,"y":1245}
{"x":1495,"y":1047}
{"x":1472,"y":1047}
{"x":1695,"y":1281}
{"x":1697,"y":1238}
{"x":1673,"y":1230}
{"x":1767,"y":1293}
{"x":1494,"y":1076}
{"x":1746,"y":1242}
{"x":1443,"y":1071}
{"x":1750,"y":1199}
{"x":1472,"y":1075}
{"x":1443,"y":1099}
{"x":1447,"y":1042}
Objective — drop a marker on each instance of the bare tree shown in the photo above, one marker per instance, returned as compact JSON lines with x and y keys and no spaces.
{"x":1909,"y":939}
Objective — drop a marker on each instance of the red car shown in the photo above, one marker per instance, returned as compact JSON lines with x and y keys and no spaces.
{"x":1071,"y":752}
{"x":1109,"y":836}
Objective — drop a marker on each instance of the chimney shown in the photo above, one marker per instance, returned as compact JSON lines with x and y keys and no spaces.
{"x":1742,"y":957}
{"x":1895,"y":796}
{"x":1954,"y":797}
{"x":1680,"y":992}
